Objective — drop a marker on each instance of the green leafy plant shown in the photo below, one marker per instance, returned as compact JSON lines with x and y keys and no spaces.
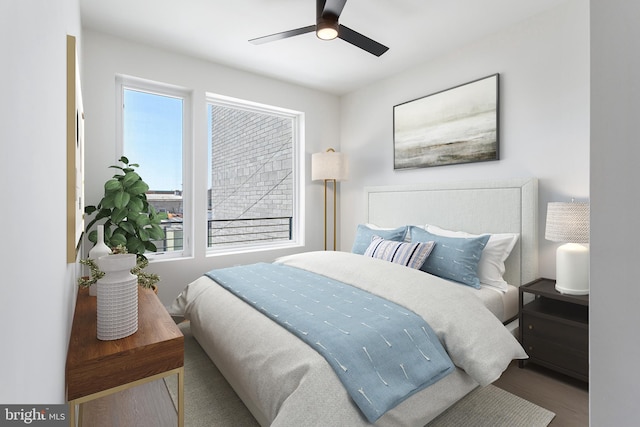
{"x":129,"y":219}
{"x":130,"y":223}
{"x":95,"y":273}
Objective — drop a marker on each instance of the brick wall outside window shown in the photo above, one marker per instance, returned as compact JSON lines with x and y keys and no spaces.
{"x":252,"y":171}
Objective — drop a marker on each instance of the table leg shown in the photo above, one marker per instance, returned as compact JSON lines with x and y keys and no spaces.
{"x":73,"y":420}
{"x":181,"y":397}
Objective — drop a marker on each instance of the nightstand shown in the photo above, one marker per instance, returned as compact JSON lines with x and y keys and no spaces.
{"x":554,"y":329}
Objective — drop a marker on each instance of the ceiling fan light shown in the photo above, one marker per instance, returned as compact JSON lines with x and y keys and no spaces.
{"x":327,"y":29}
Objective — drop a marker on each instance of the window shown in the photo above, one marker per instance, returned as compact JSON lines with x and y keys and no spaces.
{"x":154,"y":129}
{"x":254,"y":191}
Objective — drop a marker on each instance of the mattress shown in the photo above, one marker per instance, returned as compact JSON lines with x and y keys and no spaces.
{"x":504,"y":305}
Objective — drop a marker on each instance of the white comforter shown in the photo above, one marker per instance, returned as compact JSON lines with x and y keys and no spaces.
{"x":284,"y":382}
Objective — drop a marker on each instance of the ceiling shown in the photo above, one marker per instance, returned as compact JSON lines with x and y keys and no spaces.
{"x":218,"y":30}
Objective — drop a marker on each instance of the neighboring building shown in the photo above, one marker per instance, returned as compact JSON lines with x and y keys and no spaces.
{"x":171,"y":203}
{"x":252,"y":176}
{"x":166,"y":201}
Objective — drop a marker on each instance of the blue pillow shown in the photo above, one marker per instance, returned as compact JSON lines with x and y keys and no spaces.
{"x":454,"y":258}
{"x":364,"y":235}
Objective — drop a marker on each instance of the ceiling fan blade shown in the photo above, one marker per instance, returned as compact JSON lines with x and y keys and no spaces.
{"x":363,"y":42}
{"x":333,"y":7}
{"x":283,"y":35}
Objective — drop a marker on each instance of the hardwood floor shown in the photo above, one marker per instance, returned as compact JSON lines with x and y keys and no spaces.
{"x":150,"y":405}
{"x":568,"y":398}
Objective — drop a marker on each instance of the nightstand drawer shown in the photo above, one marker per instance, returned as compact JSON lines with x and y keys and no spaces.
{"x":575,"y":337}
{"x":570,"y":361}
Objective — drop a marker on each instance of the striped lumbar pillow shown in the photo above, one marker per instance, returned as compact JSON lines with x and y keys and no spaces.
{"x":412,"y":255}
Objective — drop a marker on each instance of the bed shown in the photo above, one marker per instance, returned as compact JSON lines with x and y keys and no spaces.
{"x":285,"y":382}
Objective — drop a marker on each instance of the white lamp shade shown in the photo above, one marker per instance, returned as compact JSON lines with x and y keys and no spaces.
{"x":329,"y":165}
{"x":569,"y":223}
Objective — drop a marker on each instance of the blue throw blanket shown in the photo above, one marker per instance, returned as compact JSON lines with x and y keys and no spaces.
{"x":382,"y":352}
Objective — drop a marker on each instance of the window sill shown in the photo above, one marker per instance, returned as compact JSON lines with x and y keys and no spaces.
{"x":251,"y":248}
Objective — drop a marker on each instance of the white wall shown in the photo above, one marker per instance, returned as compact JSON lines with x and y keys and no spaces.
{"x":544,"y":120}
{"x":105,"y":56}
{"x":37,"y":289}
{"x":615,"y":210}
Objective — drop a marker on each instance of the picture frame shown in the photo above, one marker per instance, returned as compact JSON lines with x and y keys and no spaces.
{"x":453,"y":126}
{"x":75,"y":154}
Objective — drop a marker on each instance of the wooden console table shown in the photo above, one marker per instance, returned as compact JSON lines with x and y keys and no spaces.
{"x":98,"y":368}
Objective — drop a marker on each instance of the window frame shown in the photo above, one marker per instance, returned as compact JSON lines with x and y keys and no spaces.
{"x":124,"y":82}
{"x":298,"y":149}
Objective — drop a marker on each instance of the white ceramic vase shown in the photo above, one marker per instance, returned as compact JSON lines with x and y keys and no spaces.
{"x":117,"y":297}
{"x":99,"y":250}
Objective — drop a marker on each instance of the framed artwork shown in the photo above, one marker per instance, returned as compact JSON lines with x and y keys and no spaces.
{"x":75,"y":154}
{"x":457,"y":125}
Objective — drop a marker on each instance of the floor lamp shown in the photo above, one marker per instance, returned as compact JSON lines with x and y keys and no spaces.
{"x":329,"y":166}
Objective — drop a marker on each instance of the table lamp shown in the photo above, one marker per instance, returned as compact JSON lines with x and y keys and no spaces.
{"x":329,"y":166}
{"x":569,"y":223}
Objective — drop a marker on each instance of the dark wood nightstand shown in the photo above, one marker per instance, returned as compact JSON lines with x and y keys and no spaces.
{"x":554,"y":329}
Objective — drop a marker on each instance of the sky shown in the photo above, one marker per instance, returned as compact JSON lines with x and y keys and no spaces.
{"x":153,"y":138}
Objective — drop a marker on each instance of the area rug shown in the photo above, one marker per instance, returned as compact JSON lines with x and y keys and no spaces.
{"x":211,"y":402}
{"x":491,"y":406}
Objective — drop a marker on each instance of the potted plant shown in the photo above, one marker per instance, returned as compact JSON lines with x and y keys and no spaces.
{"x":131,"y":224}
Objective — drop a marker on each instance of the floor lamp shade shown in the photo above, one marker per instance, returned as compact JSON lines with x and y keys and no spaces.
{"x":329,"y":166}
{"x":569,"y":223}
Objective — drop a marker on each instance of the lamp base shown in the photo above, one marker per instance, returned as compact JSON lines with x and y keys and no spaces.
{"x":572,"y":269}
{"x":569,"y":291}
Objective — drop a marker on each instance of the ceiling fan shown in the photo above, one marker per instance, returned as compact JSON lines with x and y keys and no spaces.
{"x":328,"y":28}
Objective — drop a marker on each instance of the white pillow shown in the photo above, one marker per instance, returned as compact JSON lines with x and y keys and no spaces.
{"x":411,"y":255}
{"x":491,"y":266}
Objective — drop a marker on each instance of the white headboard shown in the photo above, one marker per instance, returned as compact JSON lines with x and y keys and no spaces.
{"x":476,"y":207}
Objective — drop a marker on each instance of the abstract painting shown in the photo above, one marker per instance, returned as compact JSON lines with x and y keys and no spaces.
{"x":457,"y":125}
